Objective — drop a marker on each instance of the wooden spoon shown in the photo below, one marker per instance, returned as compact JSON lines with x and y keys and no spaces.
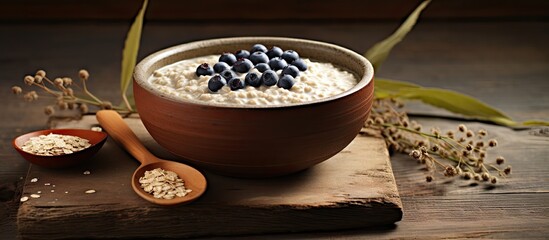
{"x":116,"y":127}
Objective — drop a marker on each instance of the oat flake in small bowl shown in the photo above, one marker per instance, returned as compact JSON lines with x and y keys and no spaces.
{"x":58,"y":148}
{"x":55,"y":144}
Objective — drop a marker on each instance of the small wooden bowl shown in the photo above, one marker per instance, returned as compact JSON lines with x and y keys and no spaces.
{"x":255,"y":141}
{"x":96,"y":139}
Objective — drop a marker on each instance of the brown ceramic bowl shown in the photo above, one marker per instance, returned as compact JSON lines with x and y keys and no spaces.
{"x":97,"y":139}
{"x":255,"y":141}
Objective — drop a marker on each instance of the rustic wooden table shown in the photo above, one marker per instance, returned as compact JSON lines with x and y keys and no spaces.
{"x":504,"y":63}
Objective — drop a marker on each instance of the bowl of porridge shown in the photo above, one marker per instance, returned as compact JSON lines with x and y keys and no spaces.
{"x":254,"y":106}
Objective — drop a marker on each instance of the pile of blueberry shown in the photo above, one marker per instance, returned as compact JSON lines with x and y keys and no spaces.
{"x":266,"y":61}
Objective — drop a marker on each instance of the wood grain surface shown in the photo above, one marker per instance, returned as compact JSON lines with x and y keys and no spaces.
{"x":503,"y":62}
{"x":355,"y":188}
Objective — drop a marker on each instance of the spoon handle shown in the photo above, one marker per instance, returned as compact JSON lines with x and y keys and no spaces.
{"x":118,"y":129}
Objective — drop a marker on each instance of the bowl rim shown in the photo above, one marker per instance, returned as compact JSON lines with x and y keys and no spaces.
{"x":141,"y":78}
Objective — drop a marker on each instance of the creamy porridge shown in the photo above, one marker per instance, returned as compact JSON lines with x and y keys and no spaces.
{"x":319,"y":80}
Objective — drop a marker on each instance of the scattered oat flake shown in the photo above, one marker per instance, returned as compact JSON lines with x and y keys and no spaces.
{"x":87,"y":173}
{"x":53,"y":185}
{"x":52,"y":190}
{"x":90,"y":191}
{"x":38,"y":191}
{"x":24,"y":199}
{"x":66,"y":191}
{"x":34,"y":196}
{"x":34,"y":180}
{"x":47,"y":184}
{"x":96,"y":129}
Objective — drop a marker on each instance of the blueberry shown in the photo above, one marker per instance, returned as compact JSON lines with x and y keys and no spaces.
{"x":274,"y":52}
{"x":277,"y":63}
{"x":290,"y":56}
{"x":258,"y":48}
{"x":242,"y":54}
{"x":216,"y":82}
{"x":243,"y":65}
{"x":290,"y":70}
{"x":252,"y":79}
{"x":286,"y":82}
{"x":299,"y":63}
{"x":235,"y":83}
{"x":228,"y":74}
{"x":228,"y":58}
{"x":204,"y":70}
{"x":259,"y":57}
{"x":269,"y":78}
{"x":221,"y":66}
{"x":262,"y":67}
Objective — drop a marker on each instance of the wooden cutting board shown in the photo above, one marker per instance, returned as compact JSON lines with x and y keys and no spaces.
{"x":354,"y":189}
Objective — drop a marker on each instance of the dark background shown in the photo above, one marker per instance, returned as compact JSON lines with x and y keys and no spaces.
{"x":279,"y":10}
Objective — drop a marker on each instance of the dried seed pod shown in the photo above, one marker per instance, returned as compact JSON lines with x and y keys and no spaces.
{"x":70,"y":92}
{"x":469,"y":134}
{"x":507,"y":170}
{"x":58,"y":82}
{"x":469,"y":147}
{"x":38,"y":79}
{"x":449,"y":171}
{"x":16,"y":90}
{"x":29,"y":80}
{"x":416,"y":154}
{"x":67,"y":81}
{"x":48,"y":110}
{"x":485,"y":176}
{"x":62,"y":105}
{"x":500,"y":160}
{"x":462,"y":128}
{"x":83,"y":74}
{"x":106,"y":105}
{"x":477,"y":177}
{"x":41,"y":73}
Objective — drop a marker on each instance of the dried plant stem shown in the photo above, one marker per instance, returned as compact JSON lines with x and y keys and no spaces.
{"x":85,"y":90}
{"x":63,"y":95}
{"x":127,"y":102}
{"x":452,"y":154}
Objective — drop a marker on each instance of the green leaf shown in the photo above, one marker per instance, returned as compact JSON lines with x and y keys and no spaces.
{"x":392,"y":85}
{"x":129,"y":54}
{"x":385,"y":88}
{"x":457,"y":103}
{"x":380,"y":51}
{"x":450,"y":100}
{"x":535,"y":123}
